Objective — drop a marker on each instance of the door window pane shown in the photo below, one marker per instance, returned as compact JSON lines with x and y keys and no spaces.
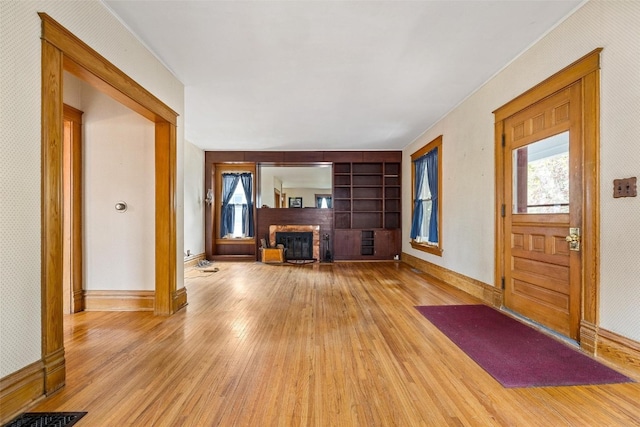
{"x":541,"y":176}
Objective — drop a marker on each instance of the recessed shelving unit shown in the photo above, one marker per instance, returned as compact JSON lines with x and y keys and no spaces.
{"x":367,"y":208}
{"x":367,"y":243}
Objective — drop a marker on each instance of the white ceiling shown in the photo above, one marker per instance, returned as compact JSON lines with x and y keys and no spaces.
{"x":330,"y":75}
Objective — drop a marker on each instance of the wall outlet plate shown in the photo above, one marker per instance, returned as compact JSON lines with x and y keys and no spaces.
{"x":625,"y":187}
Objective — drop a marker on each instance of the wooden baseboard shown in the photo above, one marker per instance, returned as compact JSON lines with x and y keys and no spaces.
{"x":234,"y":258}
{"x":20,"y":390}
{"x":78,"y":301}
{"x":179,"y":299}
{"x":193,"y":260}
{"x":54,"y":371}
{"x":621,"y":351}
{"x":487,"y":293}
{"x":588,"y":337}
{"x":119,"y":300}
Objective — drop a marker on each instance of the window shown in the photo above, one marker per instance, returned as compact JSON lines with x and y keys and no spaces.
{"x":323,"y":201}
{"x":239,"y":201}
{"x":236,"y":212}
{"x":541,"y":176}
{"x":426,"y":217}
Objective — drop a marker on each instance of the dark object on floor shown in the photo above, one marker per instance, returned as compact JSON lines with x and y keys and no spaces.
{"x":46,"y":419}
{"x":516,"y":354}
{"x":327,"y":253}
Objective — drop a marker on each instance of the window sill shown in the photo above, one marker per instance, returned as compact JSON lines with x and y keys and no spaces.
{"x":434,"y":250}
{"x":235,"y":241}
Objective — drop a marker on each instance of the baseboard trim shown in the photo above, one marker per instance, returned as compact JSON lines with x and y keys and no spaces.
{"x":588,"y":337}
{"x":179,"y":299}
{"x":620,"y":350}
{"x":78,"y":300}
{"x":20,"y":390}
{"x":119,"y":300}
{"x":234,"y":258}
{"x":487,"y":293}
{"x":54,"y":371}
{"x":193,"y":260}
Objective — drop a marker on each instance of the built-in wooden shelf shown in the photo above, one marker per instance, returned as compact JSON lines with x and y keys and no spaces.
{"x":367,"y":208}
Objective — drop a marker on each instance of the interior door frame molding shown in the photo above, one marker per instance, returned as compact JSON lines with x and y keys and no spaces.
{"x":63,"y":51}
{"x":585,"y":70}
{"x":73,"y":230}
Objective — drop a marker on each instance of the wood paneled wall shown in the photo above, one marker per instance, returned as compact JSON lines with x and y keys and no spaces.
{"x":280,"y":158}
{"x":212,"y":157}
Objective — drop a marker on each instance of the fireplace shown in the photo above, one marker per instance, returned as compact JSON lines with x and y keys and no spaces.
{"x":298,"y":244}
{"x":298,"y":248}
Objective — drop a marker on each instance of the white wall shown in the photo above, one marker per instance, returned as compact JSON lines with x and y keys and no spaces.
{"x":308,"y":195}
{"x":268,"y":183}
{"x":118,"y":165}
{"x":271,"y":196}
{"x":468,"y":156}
{"x":20,"y":82}
{"x":194,"y":195}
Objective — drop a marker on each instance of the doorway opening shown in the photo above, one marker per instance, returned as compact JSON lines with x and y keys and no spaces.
{"x":62,"y":51}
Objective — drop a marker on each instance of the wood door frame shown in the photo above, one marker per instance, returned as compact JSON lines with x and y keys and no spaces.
{"x":72,"y":198}
{"x":63,"y":51}
{"x":277,"y":202}
{"x":587,"y":71}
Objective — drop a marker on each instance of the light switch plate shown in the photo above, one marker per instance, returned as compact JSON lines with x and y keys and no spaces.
{"x":625,"y":187}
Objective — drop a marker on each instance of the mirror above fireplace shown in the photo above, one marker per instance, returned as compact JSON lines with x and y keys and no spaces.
{"x":278,"y":183}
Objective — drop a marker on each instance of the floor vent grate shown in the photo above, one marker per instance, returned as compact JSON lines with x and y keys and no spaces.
{"x":46,"y":419}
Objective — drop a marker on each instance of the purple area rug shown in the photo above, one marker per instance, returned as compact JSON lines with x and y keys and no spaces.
{"x":516,"y":354}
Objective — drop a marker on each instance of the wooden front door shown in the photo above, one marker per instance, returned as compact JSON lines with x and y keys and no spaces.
{"x":543,"y":202}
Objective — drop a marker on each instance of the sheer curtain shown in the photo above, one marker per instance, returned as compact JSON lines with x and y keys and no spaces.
{"x":227,"y":213}
{"x":420,"y":166}
{"x":247,"y":210}
{"x":432,"y":175}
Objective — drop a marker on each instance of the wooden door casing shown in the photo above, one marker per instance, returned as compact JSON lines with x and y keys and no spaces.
{"x":586,"y":71}
{"x":72,"y":270}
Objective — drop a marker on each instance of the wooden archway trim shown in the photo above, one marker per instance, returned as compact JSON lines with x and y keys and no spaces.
{"x":85,"y":63}
{"x":62,"y":51}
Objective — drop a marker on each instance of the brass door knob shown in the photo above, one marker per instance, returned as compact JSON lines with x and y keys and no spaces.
{"x":574,"y":239}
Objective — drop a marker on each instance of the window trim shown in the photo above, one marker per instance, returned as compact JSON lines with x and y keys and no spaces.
{"x":221,"y":168}
{"x":423,"y":246}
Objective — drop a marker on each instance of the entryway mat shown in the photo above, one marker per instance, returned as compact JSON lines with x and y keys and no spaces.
{"x":513,"y":353}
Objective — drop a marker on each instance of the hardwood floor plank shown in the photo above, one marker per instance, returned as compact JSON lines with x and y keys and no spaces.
{"x":304,"y":345}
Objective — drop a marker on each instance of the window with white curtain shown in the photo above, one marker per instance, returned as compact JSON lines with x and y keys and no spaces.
{"x":426,"y":221}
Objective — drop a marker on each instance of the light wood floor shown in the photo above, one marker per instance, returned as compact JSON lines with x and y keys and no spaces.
{"x":319,"y":345}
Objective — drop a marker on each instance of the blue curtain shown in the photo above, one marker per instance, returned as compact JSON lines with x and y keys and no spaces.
{"x":247,"y":210}
{"x":432,"y":174}
{"x":420,"y":165}
{"x":227,"y":213}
